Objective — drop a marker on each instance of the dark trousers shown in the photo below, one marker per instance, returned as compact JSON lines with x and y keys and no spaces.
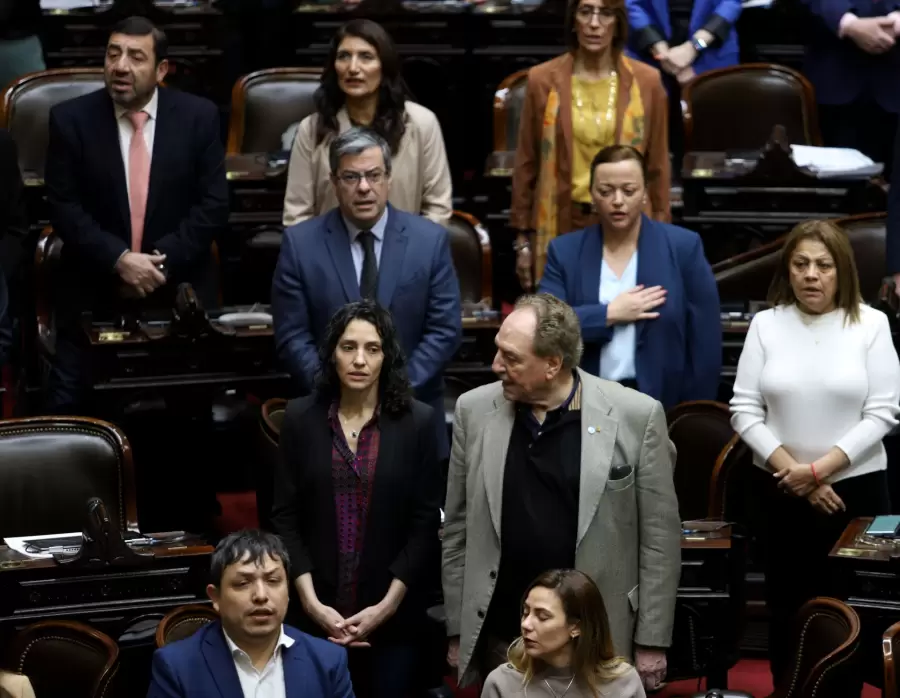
{"x":384,"y":671}
{"x":862,"y":125}
{"x":798,"y":540}
{"x":68,"y":384}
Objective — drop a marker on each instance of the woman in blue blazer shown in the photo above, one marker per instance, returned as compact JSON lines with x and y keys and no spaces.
{"x":683,"y":38}
{"x":643,"y":290}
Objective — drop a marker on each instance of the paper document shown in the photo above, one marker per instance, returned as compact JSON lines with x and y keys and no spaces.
{"x":45,"y":546}
{"x":67,"y":4}
{"x":835,"y":162}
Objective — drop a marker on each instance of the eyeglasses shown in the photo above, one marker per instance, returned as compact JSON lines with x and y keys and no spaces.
{"x":585,"y":14}
{"x":352,"y":179}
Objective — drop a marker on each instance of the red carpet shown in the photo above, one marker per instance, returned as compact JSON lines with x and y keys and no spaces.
{"x":750,"y":675}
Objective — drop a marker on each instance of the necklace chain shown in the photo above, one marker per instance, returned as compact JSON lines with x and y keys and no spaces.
{"x":346,"y":422}
{"x":610,"y":107}
{"x":550,"y":688}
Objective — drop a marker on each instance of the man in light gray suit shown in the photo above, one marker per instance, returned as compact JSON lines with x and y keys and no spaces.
{"x":554,"y":468}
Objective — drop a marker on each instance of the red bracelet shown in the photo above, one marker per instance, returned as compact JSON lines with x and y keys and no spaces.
{"x":812,"y":467}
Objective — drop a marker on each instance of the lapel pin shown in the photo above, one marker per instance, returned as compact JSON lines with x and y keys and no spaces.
{"x":591,"y":430}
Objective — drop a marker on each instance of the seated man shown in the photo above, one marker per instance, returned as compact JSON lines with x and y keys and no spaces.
{"x":368,"y":249}
{"x":136,"y":184}
{"x":250,"y":652}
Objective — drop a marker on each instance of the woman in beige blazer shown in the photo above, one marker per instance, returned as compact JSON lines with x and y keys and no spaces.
{"x":361,"y":86}
{"x":15,"y":686}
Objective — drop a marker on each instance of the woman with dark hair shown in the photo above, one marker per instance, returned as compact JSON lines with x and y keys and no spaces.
{"x":816,"y":391}
{"x":357,"y":501}
{"x":565,"y":648}
{"x":362,"y":86}
{"x":591,"y":97}
{"x":642,"y":289}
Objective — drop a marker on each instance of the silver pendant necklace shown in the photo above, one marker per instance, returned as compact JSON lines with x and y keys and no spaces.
{"x":552,"y":692}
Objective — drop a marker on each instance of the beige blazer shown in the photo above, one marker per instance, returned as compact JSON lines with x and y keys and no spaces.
{"x":15,"y":685}
{"x":629,"y":533}
{"x":420,"y":177}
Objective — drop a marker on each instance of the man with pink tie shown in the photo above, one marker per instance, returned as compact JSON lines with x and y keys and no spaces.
{"x":136,"y":183}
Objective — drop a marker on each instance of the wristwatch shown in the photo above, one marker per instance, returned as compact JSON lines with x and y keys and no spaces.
{"x":699,"y":44}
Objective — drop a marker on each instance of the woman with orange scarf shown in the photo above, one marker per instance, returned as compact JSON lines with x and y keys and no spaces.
{"x":575,"y":105}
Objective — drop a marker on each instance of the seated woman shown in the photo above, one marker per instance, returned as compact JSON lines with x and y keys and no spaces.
{"x":816,"y":391}
{"x":565,"y":648}
{"x":643,"y":290}
{"x":357,"y":501}
{"x":361,"y":86}
{"x":574,"y":105}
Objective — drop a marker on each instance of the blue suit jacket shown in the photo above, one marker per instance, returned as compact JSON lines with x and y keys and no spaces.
{"x":201,"y":666}
{"x":679,"y":354}
{"x":417,"y":283}
{"x":840,"y":71}
{"x":655,"y":13}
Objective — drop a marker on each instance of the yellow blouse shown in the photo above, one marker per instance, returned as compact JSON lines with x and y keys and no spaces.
{"x":593,"y":128}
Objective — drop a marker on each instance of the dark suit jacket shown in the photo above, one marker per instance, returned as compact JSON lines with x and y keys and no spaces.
{"x":187,"y":205}
{"x":202,"y":667}
{"x":13,"y":213}
{"x":679,"y":354}
{"x":401,"y":538}
{"x":839,"y":70}
{"x":315,"y":277}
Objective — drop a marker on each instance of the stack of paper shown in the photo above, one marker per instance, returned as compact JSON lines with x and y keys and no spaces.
{"x":835,"y":162}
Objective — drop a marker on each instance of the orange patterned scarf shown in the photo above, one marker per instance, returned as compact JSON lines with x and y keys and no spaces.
{"x":547,"y":217}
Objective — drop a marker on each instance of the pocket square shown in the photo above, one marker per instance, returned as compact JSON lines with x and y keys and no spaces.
{"x":620,"y":472}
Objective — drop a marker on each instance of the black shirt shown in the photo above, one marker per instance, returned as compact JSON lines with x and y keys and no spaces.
{"x":539,"y":523}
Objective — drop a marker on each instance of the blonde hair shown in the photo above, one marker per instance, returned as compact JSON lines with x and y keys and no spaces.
{"x":847,"y":296}
{"x":594,"y":662}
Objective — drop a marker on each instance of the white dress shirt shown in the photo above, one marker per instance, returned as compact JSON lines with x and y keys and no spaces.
{"x":812,"y":382}
{"x":267,"y":682}
{"x":356,"y":248}
{"x":126,"y":131}
{"x":617,"y":355}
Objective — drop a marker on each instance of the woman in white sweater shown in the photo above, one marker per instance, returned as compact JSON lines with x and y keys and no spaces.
{"x":565,"y":648}
{"x":817,"y":389}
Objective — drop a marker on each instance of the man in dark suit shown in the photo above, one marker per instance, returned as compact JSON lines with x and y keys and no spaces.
{"x":368,"y":249}
{"x":250,"y":652}
{"x":854,"y":65}
{"x":136,"y":183}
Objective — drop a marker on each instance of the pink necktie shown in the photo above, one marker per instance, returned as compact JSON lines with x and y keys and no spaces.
{"x":138,"y":177}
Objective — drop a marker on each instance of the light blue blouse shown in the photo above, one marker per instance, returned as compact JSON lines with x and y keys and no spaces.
{"x":617,"y":355}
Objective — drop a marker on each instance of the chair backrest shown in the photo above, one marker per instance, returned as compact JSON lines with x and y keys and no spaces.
{"x":890,"y":650}
{"x":699,"y":430}
{"x":51,"y":466}
{"x":470,"y":247}
{"x":825,"y":640}
{"x":509,"y":99}
{"x":731,"y":497}
{"x":25,"y":109}
{"x":182,"y":622}
{"x":270,"y":418}
{"x":266,"y":103}
{"x":66,"y":658}
{"x":748,"y":275}
{"x":751,"y":98}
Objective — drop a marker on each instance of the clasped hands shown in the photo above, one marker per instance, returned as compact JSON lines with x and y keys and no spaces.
{"x":799,"y":480}
{"x":874,"y":35}
{"x":353,"y":631}
{"x":677,"y":61}
{"x":140,"y":272}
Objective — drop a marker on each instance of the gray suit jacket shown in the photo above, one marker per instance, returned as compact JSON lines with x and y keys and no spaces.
{"x":629,"y":533}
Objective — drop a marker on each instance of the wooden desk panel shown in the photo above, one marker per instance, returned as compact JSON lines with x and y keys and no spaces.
{"x":110,"y":598}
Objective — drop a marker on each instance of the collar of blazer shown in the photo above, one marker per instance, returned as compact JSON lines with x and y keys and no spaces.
{"x":598,"y":440}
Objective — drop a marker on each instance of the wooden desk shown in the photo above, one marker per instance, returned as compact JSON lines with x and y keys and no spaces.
{"x":869,"y":576}
{"x":153,"y":358}
{"x":108,"y":598}
{"x":731,"y":203}
{"x":709,"y":595}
